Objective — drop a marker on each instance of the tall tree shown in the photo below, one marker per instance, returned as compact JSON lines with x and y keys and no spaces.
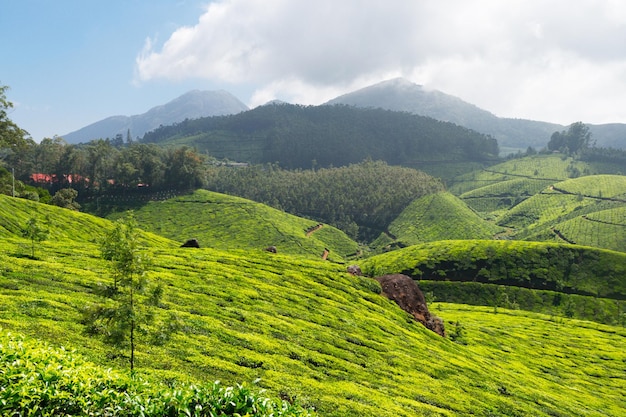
{"x":101,"y":158}
{"x":16,"y":145}
{"x":48,"y":155}
{"x":130,"y":312}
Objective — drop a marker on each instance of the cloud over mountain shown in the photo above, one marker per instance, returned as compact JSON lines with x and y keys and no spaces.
{"x":509,"y":57}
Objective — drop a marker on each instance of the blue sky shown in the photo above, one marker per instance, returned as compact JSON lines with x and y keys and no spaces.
{"x":70,"y":63}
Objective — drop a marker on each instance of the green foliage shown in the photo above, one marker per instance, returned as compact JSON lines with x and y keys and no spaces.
{"x":226,"y":222}
{"x":295,"y":136}
{"x":66,"y":198}
{"x":535,"y":265}
{"x":16,"y":145}
{"x":35,"y":232}
{"x":38,"y":380}
{"x":368,"y":195}
{"x":100,"y":167}
{"x":571,"y":141}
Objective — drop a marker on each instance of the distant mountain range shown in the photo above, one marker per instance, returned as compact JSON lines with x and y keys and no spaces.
{"x":190,"y":105}
{"x":402,"y":95}
{"x":397,"y":95}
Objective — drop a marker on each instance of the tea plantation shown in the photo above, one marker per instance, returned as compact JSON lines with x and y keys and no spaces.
{"x":292,"y":334}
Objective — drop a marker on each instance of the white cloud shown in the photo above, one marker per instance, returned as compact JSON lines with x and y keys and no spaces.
{"x":552,"y":60}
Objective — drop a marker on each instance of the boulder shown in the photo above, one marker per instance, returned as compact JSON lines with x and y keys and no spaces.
{"x":191,"y":243}
{"x":406,"y":293}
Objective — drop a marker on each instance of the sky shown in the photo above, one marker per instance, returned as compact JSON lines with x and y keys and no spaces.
{"x":70,"y":63}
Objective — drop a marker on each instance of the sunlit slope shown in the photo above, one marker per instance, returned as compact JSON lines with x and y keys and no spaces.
{"x":602,"y":229}
{"x":227,"y":222}
{"x":62,"y":224}
{"x":535,"y":168}
{"x":439,"y":216}
{"x":504,"y":185}
{"x":537,"y":265}
{"x":566,"y":212}
{"x":309,"y":330}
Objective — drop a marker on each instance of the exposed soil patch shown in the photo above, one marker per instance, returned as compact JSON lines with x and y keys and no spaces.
{"x":405,"y":292}
{"x":313,"y":229}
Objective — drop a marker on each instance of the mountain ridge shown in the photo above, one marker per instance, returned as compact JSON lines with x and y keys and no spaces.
{"x":191,"y":105}
{"x":397,"y":94}
{"x":400,"y":94}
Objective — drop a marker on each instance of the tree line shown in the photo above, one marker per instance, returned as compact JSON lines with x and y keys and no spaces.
{"x":99,"y":166}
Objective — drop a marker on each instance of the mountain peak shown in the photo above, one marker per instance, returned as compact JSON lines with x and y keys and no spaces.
{"x":400,"y":94}
{"x":191,"y":105}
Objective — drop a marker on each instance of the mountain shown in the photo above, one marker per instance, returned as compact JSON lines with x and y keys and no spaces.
{"x":190,"y":105}
{"x":512,"y":134}
{"x":297,"y":136}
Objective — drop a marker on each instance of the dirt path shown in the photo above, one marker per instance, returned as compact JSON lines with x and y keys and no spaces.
{"x":313,"y":229}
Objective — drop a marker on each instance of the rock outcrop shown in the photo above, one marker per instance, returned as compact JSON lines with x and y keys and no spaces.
{"x":406,"y":293}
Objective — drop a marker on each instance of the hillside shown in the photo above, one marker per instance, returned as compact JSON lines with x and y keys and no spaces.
{"x":585,"y":210}
{"x":311,"y":331}
{"x":502,"y":186}
{"x":190,"y":105}
{"x":301,"y":137}
{"x":224,"y":222}
{"x":438,"y":216}
{"x":539,"y":276}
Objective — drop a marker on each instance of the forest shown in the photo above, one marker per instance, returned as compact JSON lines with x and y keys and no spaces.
{"x":301,"y":137}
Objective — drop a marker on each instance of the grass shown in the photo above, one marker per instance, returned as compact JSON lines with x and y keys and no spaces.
{"x":226,"y":222}
{"x":312,"y":332}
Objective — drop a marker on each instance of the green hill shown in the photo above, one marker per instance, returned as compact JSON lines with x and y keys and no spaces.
{"x":538,"y":276}
{"x":502,"y":186}
{"x":439,"y":216}
{"x":601,"y":229}
{"x":540,"y":216}
{"x":312,"y":332}
{"x":226,"y":222}
{"x":323,"y":136}
{"x":62,"y":224}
